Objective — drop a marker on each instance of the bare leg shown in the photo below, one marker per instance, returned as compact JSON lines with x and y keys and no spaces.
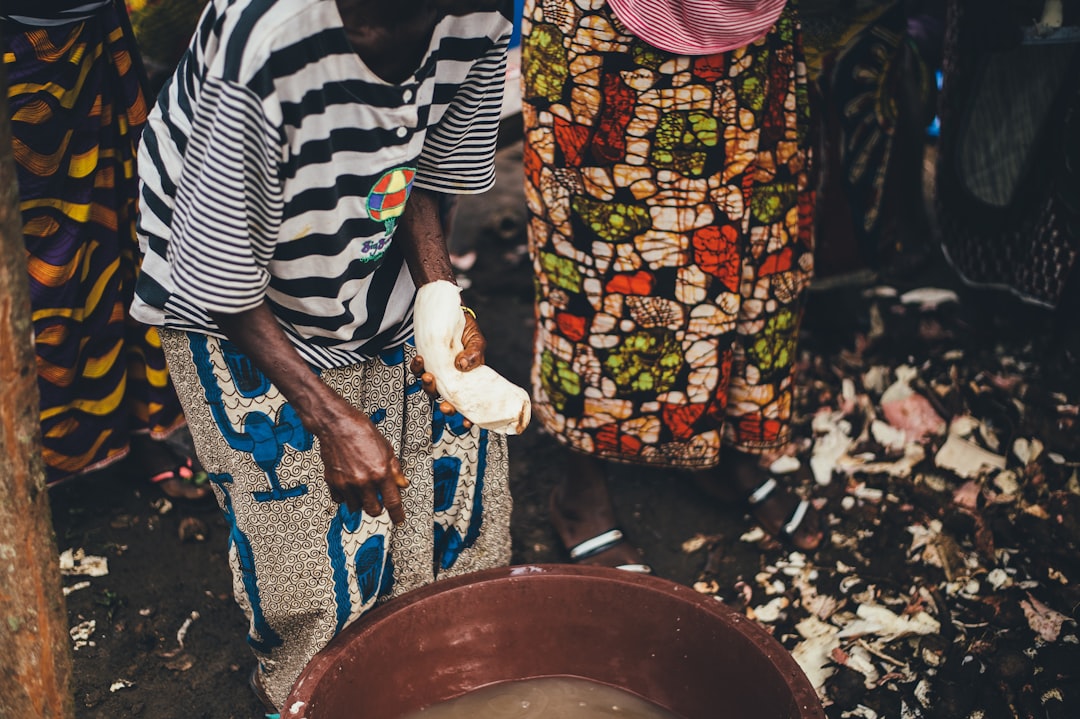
{"x":581,"y":508}
{"x":743,"y":474}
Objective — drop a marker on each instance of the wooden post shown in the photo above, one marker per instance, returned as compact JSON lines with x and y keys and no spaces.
{"x":35,"y":649}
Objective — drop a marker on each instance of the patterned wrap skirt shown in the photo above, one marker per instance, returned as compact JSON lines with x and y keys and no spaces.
{"x":76,"y":113}
{"x":304,"y":566}
{"x":872,"y":66}
{"x":671,"y":235}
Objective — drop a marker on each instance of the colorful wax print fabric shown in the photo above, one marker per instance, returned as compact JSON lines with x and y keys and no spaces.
{"x":76,"y":113}
{"x":304,"y":566}
{"x":876,"y":87}
{"x":671,"y":235}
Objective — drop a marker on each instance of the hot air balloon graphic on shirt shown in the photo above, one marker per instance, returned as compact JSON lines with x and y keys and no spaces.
{"x":386,"y":203}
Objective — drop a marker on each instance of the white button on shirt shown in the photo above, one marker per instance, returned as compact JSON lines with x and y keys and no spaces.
{"x":402,"y":132}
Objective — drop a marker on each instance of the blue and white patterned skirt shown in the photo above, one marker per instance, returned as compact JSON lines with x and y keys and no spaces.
{"x":304,"y":566}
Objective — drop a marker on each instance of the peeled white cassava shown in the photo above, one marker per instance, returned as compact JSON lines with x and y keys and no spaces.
{"x":482,"y":395}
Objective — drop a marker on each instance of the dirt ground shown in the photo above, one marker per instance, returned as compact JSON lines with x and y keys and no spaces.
{"x":168,"y":640}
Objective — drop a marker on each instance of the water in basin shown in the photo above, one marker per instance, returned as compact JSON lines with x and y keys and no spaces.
{"x":545,"y":698}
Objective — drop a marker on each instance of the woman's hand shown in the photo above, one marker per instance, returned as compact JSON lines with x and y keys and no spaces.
{"x":361,"y":468}
{"x":470,"y":357}
{"x":474,"y":345}
{"x":441,"y":327}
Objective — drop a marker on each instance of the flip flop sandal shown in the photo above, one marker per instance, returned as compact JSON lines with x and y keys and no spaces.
{"x":760,"y":495}
{"x":255,"y":683}
{"x":601,"y":543}
{"x":183,"y":471}
{"x":186,"y":474}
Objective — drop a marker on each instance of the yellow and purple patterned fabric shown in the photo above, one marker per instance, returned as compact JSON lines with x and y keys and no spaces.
{"x":76,"y":110}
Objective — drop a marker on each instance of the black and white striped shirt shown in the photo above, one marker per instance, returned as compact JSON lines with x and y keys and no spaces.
{"x":275,"y":166}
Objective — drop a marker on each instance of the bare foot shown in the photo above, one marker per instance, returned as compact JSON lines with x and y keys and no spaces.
{"x":772,"y":501}
{"x":175,"y":475}
{"x":581,"y":509}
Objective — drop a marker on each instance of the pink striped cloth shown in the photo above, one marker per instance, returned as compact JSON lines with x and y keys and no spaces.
{"x":698,"y":27}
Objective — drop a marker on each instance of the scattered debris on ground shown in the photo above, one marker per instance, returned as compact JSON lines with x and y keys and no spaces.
{"x":950,"y":468}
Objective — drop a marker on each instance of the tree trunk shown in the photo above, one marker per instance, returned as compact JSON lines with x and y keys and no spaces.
{"x":35,"y":650}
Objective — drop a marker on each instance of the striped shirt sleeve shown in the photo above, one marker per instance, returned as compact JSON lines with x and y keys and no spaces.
{"x":228,"y":202}
{"x":459,"y":153}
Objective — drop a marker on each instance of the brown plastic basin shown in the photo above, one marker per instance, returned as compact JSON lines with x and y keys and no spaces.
{"x":660,"y":640}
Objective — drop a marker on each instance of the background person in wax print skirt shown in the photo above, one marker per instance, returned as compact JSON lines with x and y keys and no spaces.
{"x":291,"y":173}
{"x":75,"y":94}
{"x":667,"y":172}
